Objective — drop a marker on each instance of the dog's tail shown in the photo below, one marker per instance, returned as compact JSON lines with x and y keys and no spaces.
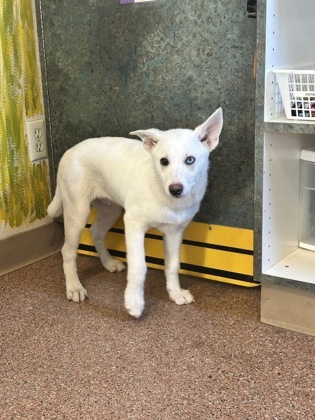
{"x":55,"y":208}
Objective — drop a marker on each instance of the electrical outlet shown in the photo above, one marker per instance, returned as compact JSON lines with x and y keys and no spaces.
{"x":36,"y":138}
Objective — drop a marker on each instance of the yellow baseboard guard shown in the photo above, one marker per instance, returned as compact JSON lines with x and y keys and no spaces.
{"x":213,"y":252}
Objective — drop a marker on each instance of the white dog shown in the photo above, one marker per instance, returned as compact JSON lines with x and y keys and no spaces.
{"x":159,"y":184}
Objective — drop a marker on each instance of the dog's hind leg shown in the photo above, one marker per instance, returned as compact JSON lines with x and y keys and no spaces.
{"x":74,"y":219}
{"x":172,"y":243}
{"x":107,"y":214}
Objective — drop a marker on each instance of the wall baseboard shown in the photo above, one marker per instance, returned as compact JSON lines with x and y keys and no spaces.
{"x":211,"y":252}
{"x":27,"y":247}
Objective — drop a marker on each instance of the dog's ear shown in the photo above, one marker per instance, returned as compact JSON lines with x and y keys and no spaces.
{"x":149,"y":137}
{"x":209,"y":132}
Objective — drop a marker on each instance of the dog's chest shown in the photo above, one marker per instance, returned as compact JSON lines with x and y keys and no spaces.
{"x":168,"y":216}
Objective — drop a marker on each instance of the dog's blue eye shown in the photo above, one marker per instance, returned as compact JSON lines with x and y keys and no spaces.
{"x":190,"y":160}
{"x":164,"y":162}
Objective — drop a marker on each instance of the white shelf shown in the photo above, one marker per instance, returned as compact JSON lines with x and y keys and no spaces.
{"x":281,"y":196}
{"x":299,"y":265}
{"x":289,"y":45}
{"x":284,"y":120}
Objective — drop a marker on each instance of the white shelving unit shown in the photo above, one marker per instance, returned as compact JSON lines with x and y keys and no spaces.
{"x":289,"y":44}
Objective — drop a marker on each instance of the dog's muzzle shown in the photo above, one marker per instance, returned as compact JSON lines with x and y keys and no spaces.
{"x":176,"y":189}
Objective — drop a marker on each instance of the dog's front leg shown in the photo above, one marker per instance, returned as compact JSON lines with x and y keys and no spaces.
{"x":134,"y":293}
{"x":172,"y":242}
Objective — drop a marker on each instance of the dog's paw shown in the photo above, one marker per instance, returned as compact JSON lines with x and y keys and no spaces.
{"x":114,"y":265}
{"x":134,"y":305}
{"x":76,"y":295}
{"x":182,"y":297}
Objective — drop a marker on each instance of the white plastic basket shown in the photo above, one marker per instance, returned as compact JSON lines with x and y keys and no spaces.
{"x":297,"y":89}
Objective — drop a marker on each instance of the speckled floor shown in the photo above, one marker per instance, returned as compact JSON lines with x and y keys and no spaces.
{"x":209,"y":360}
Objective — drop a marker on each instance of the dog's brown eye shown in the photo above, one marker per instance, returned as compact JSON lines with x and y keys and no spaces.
{"x":190,"y":160}
{"x":164,"y":162}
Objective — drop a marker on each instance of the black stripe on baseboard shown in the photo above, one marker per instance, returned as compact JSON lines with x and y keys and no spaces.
{"x":219,"y":247}
{"x":184,"y":266}
{"x":192,"y":243}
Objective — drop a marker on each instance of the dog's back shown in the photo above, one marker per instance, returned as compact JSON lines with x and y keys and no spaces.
{"x":99,"y":167}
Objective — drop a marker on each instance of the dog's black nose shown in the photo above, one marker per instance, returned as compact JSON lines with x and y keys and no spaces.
{"x":176,"y":189}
